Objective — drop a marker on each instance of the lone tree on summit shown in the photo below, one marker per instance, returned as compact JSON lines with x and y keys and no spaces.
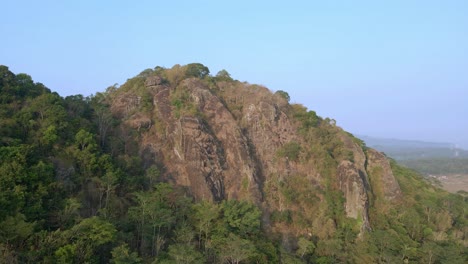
{"x":283,"y":94}
{"x":223,"y":75}
{"x":197,"y":70}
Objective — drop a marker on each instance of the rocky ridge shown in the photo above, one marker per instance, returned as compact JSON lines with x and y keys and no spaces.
{"x":222,"y":142}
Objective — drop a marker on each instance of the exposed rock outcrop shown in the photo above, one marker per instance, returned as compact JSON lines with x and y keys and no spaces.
{"x":355,"y":192}
{"x":208,"y":155}
{"x":223,"y":143}
{"x":382,"y":178}
{"x":354,"y":182}
{"x":153,"y":81}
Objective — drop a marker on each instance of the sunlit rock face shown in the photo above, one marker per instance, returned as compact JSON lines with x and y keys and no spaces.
{"x":223,"y":142}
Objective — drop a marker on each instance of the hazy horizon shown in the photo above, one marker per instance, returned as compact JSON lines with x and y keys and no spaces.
{"x":392,"y":70}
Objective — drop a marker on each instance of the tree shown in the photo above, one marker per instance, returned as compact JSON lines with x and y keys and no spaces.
{"x":49,"y":106}
{"x":152,"y":174}
{"x":234,"y":249}
{"x":223,"y":75}
{"x":78,"y":106}
{"x":283,"y":94}
{"x":305,"y":247}
{"x":106,"y":185}
{"x":25,"y":84}
{"x":50,"y":136}
{"x":103,"y":114}
{"x":145,"y":73}
{"x":85,"y":152}
{"x":43,"y":121}
{"x":386,"y":245}
{"x":152,"y":214}
{"x":329,"y":249}
{"x":26,"y":185}
{"x":123,"y":255}
{"x":13,"y":169}
{"x":14,"y":230}
{"x":204,"y":216}
{"x":85,"y":241}
{"x":185,"y":254}
{"x":196,"y":70}
{"x":241,"y":217}
{"x":85,"y":140}
{"x":70,"y":214}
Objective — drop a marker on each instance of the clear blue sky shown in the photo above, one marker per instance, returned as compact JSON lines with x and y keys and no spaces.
{"x":381,"y":68}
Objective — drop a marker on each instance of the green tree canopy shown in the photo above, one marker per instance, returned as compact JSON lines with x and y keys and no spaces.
{"x":242,"y":217}
{"x":283,"y":94}
{"x":223,"y":75}
{"x":197,"y":70}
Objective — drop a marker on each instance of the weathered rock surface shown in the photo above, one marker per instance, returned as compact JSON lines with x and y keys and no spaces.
{"x":226,"y":147}
{"x":354,"y":183}
{"x":153,"y":81}
{"x":355,"y":192}
{"x":209,"y":155}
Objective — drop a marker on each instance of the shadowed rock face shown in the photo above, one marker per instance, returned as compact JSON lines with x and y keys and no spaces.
{"x":354,"y":189}
{"x":227,"y":147}
{"x":370,"y":173}
{"x":354,"y":183}
{"x":210,"y":155}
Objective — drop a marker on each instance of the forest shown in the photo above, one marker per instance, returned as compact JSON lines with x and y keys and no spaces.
{"x":78,"y":186}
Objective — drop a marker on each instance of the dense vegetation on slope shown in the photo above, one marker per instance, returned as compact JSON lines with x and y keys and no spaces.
{"x":75,"y":187}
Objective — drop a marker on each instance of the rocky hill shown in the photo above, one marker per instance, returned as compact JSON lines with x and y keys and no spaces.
{"x":231,"y":140}
{"x":322,"y":196}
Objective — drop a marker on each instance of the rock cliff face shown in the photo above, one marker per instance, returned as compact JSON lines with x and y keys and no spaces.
{"x":354,"y":183}
{"x":383,"y":180}
{"x":369,"y":175}
{"x":355,"y":190}
{"x":206,"y":152}
{"x":221,"y":141}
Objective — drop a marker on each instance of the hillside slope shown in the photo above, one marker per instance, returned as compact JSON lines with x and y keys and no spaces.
{"x":180,"y":166}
